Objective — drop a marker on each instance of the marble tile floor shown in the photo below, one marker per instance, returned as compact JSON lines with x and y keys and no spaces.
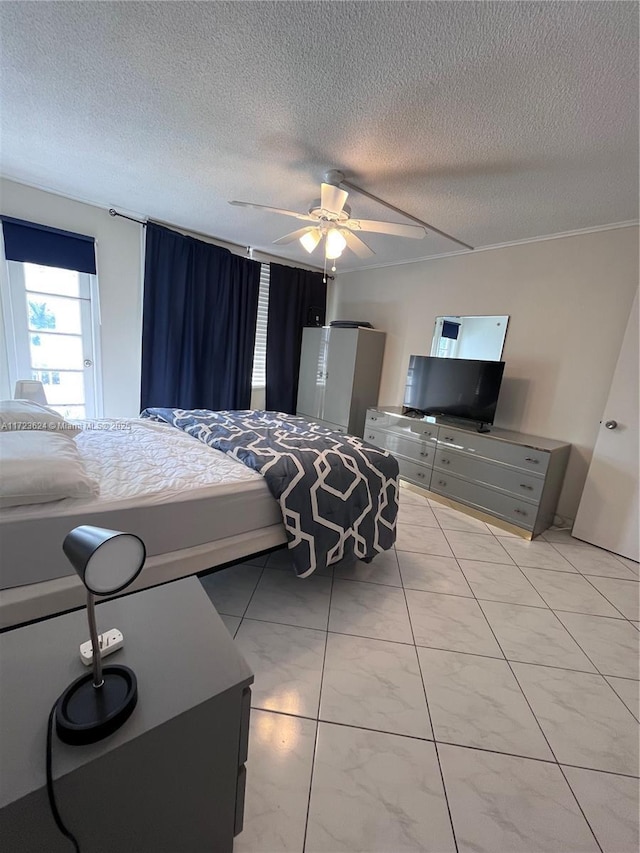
{"x":467,"y":691}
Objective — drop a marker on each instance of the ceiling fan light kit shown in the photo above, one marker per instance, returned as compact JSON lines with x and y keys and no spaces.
{"x":335,"y":244}
{"x":310,"y":239}
{"x":333,"y":222}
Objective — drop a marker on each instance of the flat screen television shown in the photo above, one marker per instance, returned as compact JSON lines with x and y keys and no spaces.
{"x":453,"y":387}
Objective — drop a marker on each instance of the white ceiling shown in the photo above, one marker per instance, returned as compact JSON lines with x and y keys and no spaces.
{"x":494,"y":121}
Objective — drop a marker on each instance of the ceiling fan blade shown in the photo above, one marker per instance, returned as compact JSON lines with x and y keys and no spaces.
{"x":357,"y":246}
{"x":273,"y":210}
{"x":394,"y":228}
{"x":294,"y":235}
{"x":332,"y":198}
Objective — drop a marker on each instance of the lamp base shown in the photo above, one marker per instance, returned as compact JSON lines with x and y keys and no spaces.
{"x":86,"y":714}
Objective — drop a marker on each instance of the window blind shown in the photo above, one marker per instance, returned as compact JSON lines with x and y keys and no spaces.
{"x":31,"y":243}
{"x":259,"y":376}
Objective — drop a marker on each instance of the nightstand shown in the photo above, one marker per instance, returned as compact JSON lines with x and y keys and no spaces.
{"x":172,"y":778}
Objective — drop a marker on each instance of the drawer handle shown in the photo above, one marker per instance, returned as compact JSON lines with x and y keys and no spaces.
{"x":424,"y":453}
{"x":371,"y":436}
{"x":373,"y":419}
{"x":420,"y":473}
{"x":531,"y":459}
{"x":520,"y":511}
{"x":448,"y":438}
{"x":442,"y":482}
{"x":524,"y":486}
{"x":446,"y":462}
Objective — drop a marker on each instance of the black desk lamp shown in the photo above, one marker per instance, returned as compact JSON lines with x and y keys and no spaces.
{"x":96,"y":705}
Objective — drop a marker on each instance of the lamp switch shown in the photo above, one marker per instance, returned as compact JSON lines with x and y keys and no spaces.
{"x":110,"y":641}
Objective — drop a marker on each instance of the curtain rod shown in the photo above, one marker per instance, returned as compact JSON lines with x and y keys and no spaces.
{"x":247,"y":249}
{"x":114,"y":212}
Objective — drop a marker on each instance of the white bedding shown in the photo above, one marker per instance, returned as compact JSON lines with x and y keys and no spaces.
{"x":193,"y":506}
{"x":145,"y":464}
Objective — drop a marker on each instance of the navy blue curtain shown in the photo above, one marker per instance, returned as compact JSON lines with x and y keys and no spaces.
{"x":31,"y":243}
{"x":296,"y":298}
{"x":199,"y":323}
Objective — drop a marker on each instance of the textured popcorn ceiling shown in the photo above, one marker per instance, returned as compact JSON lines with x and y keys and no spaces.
{"x":494,"y":121}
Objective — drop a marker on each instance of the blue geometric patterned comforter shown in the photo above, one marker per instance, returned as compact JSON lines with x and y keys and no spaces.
{"x":338,"y":494}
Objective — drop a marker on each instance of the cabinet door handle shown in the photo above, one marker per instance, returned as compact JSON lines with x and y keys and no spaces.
{"x":531,"y":459}
{"x":521,"y":511}
{"x":524,"y":486}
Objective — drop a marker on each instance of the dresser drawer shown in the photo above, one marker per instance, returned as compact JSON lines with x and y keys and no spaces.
{"x":409,"y":427}
{"x":517,"y":455}
{"x":496,"y":503}
{"x":376,"y":436}
{"x":375,"y":418}
{"x":420,"y":451}
{"x":496,"y":475}
{"x":419,"y":474}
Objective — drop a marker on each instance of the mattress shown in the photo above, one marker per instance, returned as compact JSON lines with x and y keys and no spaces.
{"x":170,"y":489}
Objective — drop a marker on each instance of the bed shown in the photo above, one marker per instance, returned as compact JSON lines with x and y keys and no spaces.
{"x":194,"y":506}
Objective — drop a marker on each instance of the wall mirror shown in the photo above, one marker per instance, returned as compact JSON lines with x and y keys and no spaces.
{"x":469,"y":337}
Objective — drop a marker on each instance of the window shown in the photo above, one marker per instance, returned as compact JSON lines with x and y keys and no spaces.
{"x":259,"y":375}
{"x":50,"y":321}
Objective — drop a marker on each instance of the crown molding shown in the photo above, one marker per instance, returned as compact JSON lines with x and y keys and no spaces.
{"x":91,"y":202}
{"x":633,"y":223}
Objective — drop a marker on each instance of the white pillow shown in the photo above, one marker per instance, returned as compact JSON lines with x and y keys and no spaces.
{"x":25,"y":414}
{"x":37,"y":466}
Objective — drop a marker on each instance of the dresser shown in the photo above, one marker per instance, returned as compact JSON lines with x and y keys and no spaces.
{"x":339,"y":376}
{"x":511,"y":476}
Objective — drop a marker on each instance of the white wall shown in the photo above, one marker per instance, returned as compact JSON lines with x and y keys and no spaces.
{"x":568,"y":300}
{"x":118,"y":252}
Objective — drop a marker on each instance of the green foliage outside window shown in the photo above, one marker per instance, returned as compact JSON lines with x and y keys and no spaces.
{"x":40,"y":317}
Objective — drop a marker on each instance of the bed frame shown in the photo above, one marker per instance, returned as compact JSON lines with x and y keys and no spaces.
{"x":31,"y":602}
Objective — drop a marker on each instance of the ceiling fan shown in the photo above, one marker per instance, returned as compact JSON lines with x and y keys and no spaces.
{"x":332,"y":222}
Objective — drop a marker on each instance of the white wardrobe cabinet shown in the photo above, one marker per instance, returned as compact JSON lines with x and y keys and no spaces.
{"x":339,"y":376}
